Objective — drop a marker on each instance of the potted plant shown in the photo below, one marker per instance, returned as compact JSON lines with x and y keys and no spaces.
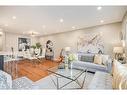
{"x":37,"y":49}
{"x":38,"y":45}
{"x":33,"y":46}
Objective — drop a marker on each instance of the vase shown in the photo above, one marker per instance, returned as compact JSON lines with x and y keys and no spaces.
{"x":37,"y":51}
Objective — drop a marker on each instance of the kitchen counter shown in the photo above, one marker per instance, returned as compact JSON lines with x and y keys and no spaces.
{"x":5,"y":53}
{"x":2,"y":54}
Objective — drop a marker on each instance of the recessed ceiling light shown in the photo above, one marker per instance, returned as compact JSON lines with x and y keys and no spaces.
{"x":102,"y":21}
{"x":23,"y":33}
{"x":43,"y":26}
{"x":61,"y":20}
{"x":73,"y":27}
{"x":13,"y":17}
{"x":99,"y":8}
{"x":5,"y":24}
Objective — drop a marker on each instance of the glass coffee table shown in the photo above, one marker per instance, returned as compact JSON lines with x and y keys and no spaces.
{"x":70,"y":74}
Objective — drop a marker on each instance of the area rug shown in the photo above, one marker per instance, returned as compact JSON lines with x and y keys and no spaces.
{"x":47,"y":83}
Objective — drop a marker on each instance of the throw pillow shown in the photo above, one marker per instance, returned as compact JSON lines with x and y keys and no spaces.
{"x":86,"y":58}
{"x":98,"y":59}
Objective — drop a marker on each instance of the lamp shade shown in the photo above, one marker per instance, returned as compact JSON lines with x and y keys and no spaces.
{"x":123,"y":43}
{"x":67,"y":49}
{"x":1,"y":33}
{"x":118,"y":49}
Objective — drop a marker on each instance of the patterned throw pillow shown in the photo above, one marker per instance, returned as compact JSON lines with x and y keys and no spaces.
{"x":86,"y":58}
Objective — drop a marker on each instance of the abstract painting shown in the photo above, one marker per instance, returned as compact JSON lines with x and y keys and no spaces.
{"x":90,"y":43}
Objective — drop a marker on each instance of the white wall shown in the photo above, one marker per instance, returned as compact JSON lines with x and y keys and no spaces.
{"x":110,"y":34}
{"x":124,"y":30}
{"x":11,"y":40}
{"x":1,"y":43}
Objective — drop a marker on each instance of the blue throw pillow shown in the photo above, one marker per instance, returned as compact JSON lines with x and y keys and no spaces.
{"x":86,"y":58}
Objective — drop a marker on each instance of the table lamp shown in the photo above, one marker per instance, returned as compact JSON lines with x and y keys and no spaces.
{"x":118,"y":52}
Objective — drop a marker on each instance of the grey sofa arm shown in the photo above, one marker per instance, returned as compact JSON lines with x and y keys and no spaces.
{"x":101,"y":81}
{"x":8,"y":84}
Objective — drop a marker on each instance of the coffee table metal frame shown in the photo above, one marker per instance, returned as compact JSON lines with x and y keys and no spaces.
{"x":58,"y":75}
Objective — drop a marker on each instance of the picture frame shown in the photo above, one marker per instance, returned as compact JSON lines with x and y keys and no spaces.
{"x":24,"y":44}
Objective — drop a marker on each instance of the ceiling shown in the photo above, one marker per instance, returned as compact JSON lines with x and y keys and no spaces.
{"x":44,"y":20}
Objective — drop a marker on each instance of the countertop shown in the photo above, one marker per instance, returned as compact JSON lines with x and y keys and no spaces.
{"x":5,"y":53}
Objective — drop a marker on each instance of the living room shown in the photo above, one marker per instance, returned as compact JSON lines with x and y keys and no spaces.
{"x":63,"y":47}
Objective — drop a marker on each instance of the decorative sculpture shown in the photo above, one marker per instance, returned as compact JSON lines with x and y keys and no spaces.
{"x":49,"y":55}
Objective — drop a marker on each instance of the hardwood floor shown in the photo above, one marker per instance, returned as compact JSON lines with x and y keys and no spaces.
{"x":33,"y":71}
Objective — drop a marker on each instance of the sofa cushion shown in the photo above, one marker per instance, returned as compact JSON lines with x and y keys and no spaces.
{"x":82,"y":65}
{"x":101,"y":80}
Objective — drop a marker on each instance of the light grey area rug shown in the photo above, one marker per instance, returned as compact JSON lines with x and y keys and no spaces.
{"x":47,"y":83}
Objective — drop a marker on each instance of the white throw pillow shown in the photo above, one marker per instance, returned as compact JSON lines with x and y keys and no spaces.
{"x":98,"y":59}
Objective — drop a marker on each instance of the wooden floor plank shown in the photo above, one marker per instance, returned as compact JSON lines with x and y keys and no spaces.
{"x":34,"y":71}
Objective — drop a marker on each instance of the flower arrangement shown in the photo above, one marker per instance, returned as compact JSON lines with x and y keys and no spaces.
{"x":71,"y":57}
